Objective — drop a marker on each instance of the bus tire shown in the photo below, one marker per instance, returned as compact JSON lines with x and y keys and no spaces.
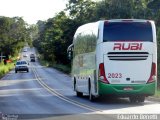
{"x":91,"y":97}
{"x":141,"y":99}
{"x":74,"y":85}
{"x":133,"y":99}
{"x":79,"y":94}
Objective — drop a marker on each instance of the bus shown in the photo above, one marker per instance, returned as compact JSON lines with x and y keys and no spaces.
{"x":115,"y":57}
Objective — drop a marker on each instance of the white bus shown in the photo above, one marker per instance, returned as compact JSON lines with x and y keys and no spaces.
{"x":115,"y":57}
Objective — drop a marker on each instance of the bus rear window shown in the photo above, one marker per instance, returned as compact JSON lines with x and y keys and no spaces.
{"x":127,"y":31}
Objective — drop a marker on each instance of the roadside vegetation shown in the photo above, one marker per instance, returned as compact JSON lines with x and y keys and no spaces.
{"x":14,"y":34}
{"x":56,"y":34}
{"x":157,"y":95}
{"x":5,"y":68}
{"x":60,"y":67}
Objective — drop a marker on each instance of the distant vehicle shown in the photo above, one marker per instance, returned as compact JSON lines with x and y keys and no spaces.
{"x":25,"y":55}
{"x":25,"y":50}
{"x":21,"y":66}
{"x":115,"y":57}
{"x":32,"y":57}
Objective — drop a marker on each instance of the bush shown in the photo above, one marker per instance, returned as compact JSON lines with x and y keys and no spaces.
{"x":5,"y":68}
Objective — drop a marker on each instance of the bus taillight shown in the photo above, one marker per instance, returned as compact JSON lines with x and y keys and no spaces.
{"x":102,"y":76}
{"x":152,"y":77}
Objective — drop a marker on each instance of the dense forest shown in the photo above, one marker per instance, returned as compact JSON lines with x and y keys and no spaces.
{"x":56,"y":34}
{"x":14,"y":34}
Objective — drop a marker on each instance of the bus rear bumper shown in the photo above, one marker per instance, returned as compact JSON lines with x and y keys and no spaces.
{"x":127,"y":90}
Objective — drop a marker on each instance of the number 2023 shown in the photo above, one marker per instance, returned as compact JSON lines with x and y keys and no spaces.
{"x":114,"y":75}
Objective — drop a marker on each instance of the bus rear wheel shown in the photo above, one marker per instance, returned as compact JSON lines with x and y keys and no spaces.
{"x":91,"y":97}
{"x":79,"y":94}
{"x":141,"y":98}
{"x":134,"y":99}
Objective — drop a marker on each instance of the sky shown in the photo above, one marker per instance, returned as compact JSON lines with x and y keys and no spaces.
{"x":31,"y":10}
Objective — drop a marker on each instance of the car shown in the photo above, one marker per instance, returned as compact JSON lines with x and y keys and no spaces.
{"x":25,"y":50}
{"x":21,"y":65}
{"x":25,"y":55}
{"x":32,"y":57}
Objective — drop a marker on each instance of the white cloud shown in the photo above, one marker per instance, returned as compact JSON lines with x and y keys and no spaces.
{"x":31,"y":10}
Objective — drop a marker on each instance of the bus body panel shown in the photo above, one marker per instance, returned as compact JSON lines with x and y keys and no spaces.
{"x":128,"y":67}
{"x":84,"y":67}
{"x":84,"y":63}
{"x":127,"y":89}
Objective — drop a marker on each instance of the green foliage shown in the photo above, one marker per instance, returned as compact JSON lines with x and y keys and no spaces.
{"x":5,"y":68}
{"x":81,"y":9}
{"x":154,"y":5}
{"x":61,"y":67}
{"x":157,"y":94}
{"x":13,"y":35}
{"x":55,"y":37}
{"x":56,"y":34}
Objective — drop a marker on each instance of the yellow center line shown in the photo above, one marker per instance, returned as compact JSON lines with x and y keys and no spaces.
{"x":53,"y":92}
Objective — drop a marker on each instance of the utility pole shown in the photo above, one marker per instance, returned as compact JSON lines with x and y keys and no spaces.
{"x":1,"y":57}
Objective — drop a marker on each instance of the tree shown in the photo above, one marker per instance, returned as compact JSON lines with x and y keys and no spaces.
{"x":81,"y":10}
{"x":13,"y":35}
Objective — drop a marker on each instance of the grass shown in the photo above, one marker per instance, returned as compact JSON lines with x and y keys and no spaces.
{"x":44,"y":63}
{"x":5,"y":68}
{"x":63,"y":68}
{"x":60,"y":67}
{"x":157,"y":94}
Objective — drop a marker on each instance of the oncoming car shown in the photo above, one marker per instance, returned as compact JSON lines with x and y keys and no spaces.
{"x":25,"y":50}
{"x":25,"y":55}
{"x":32,"y":57}
{"x":21,"y":66}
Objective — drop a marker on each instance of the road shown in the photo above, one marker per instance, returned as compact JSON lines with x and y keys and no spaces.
{"x":45,"y":93}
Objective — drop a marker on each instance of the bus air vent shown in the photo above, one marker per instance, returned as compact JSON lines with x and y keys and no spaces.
{"x":127,"y":56}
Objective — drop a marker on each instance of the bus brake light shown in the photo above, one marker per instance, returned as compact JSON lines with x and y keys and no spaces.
{"x":153,"y":73}
{"x":102,"y":76}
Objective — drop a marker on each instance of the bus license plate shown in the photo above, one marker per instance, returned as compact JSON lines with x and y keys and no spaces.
{"x":128,"y":88}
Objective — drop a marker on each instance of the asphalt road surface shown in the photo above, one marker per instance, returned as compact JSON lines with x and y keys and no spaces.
{"x":45,"y":93}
